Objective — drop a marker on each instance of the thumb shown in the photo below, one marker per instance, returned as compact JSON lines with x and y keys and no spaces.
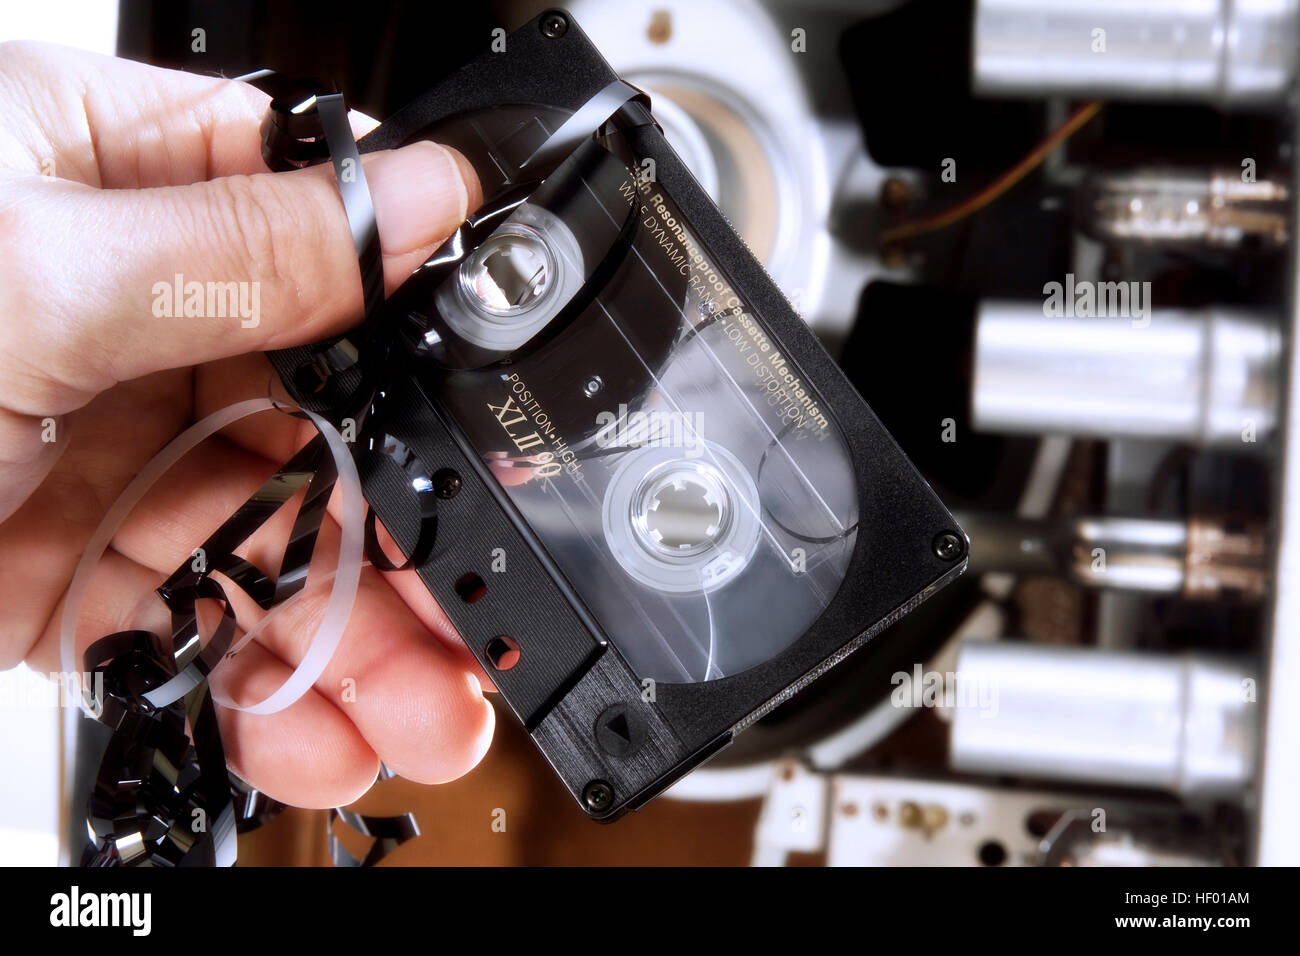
{"x":163,"y":278}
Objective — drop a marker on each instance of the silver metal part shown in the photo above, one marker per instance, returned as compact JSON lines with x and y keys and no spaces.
{"x":1186,"y":207}
{"x":1076,"y":840}
{"x":752,"y":127}
{"x":1229,"y":52}
{"x":1185,"y":724}
{"x":1208,"y":377}
{"x":1199,"y":558}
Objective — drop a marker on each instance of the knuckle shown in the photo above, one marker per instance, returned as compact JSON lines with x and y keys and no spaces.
{"x":245,"y":227}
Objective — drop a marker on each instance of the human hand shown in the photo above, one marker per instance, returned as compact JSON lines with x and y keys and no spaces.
{"x":115,"y":177}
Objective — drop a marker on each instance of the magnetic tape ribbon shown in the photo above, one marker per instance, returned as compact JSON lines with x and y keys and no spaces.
{"x":617,"y":107}
{"x":579,"y":145}
{"x":291,"y":139}
{"x":159,"y":798}
{"x":304,"y":124}
{"x":387,"y":833}
{"x":341,"y":377}
{"x":618,"y":104}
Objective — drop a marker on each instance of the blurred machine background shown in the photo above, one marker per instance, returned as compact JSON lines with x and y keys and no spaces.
{"x":1106,"y":686}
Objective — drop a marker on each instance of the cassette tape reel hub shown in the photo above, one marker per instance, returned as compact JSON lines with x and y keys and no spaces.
{"x":681,"y":509}
{"x":682,"y":524}
{"x":509,"y":287}
{"x":509,"y":273}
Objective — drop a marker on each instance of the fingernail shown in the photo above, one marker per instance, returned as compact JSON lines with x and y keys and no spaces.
{"x":422,"y":193}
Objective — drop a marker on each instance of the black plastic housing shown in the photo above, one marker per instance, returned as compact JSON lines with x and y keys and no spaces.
{"x":570,"y":686}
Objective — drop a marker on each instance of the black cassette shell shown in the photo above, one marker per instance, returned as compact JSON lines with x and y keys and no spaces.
{"x":569,"y":680}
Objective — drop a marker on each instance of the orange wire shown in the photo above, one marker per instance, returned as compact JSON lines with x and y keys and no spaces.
{"x":1000,"y":185}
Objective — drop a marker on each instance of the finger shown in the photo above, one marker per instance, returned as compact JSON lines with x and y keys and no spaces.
{"x":120,"y":124}
{"x":419,"y":708}
{"x":310,"y":754}
{"x":117,"y":598}
{"x":263,"y":261}
{"x":408,"y":586}
{"x":201,"y":491}
{"x":274,"y":435}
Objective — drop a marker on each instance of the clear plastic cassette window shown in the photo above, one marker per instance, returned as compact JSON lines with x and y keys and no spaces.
{"x":671,"y":459}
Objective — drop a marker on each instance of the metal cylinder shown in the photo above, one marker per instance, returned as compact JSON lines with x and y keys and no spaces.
{"x":1201,"y":558}
{"x":1231,"y":52}
{"x":1186,"y":207}
{"x":1185,"y":724}
{"x":1207,"y":377}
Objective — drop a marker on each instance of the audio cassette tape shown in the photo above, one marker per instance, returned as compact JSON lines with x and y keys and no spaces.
{"x":645,"y":496}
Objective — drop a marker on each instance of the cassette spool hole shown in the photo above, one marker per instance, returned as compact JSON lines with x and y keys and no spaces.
{"x":682,"y":520}
{"x":683,"y":510}
{"x":510,"y":272}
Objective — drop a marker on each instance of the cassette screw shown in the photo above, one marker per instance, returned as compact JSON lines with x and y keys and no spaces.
{"x":948,"y":546}
{"x":446,"y":483}
{"x":594,"y":385}
{"x":597,"y":795}
{"x":554,"y":25}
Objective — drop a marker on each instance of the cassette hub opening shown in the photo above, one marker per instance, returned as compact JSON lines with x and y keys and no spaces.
{"x":682,"y":520}
{"x":682,"y":509}
{"x":513,"y":283}
{"x":510,"y":273}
